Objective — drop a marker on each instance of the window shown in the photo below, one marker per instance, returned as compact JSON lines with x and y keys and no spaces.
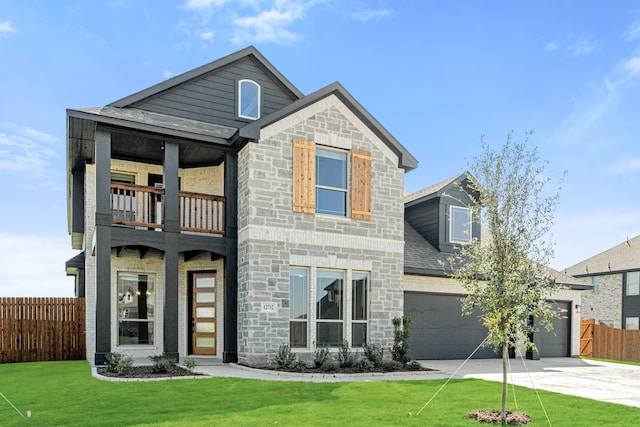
{"x":633,"y":283}
{"x":632,"y":323}
{"x":595,"y":281}
{"x":136,"y":304}
{"x":298,"y":307}
{"x":329,"y":307}
{"x":248,"y":99}
{"x":321,"y":181}
{"x":460,"y":221}
{"x":123,"y":198}
{"x":360,"y":308}
{"x":331,"y":182}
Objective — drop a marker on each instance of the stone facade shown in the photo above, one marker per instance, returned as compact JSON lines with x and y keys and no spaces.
{"x":604,"y":303}
{"x":272,"y":237}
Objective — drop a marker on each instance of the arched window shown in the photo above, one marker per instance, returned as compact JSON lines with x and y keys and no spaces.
{"x":248,"y":99}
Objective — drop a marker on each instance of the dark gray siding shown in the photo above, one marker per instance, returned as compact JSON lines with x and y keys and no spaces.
{"x":424,"y":218}
{"x":212,"y":97}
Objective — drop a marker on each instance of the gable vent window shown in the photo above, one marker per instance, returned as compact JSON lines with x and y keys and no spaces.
{"x":249,"y":99}
{"x":460,"y":230}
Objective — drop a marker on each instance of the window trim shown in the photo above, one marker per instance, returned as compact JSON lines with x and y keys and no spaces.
{"x":451,"y":224}
{"x":367,"y":307}
{"x":306,"y":298}
{"x":259,"y":101}
{"x":636,"y":320}
{"x":150,"y":320}
{"x":637,"y":283}
{"x":346,"y":190}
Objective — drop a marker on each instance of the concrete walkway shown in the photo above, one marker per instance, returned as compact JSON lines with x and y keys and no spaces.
{"x":607,"y":382}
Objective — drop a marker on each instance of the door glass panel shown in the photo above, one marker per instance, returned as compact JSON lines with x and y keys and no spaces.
{"x":205,"y":282}
{"x":205,"y":342}
{"x":205,"y":327}
{"x":205,"y":297}
{"x":205,"y":312}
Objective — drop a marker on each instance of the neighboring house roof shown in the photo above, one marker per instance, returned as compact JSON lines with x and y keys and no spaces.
{"x":252,"y":130}
{"x":623,"y":257}
{"x":207,"y":68}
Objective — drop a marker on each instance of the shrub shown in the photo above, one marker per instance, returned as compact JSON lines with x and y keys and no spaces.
{"x":391,"y":366}
{"x":374,"y":353}
{"x":345,"y":357}
{"x":190,"y":364}
{"x":400,"y":351}
{"x":414,"y":365}
{"x":320,"y":355}
{"x":161,"y":364}
{"x":286,"y":359}
{"x":365,"y":365}
{"x":118,"y":363}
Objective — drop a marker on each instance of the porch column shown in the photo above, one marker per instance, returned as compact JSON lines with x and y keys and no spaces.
{"x":103,"y":245}
{"x":171,"y":235}
{"x":230,"y":352}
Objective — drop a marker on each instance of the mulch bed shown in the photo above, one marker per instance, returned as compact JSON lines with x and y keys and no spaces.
{"x":492,"y":416}
{"x":147,"y":372}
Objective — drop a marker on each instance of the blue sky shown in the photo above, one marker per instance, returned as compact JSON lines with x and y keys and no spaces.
{"x":436,"y":74}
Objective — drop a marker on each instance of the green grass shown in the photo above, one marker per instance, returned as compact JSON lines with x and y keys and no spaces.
{"x":64,"y":393}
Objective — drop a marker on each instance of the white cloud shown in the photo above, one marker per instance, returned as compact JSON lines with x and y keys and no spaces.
{"x":7,"y":27}
{"x":633,"y":65}
{"x":29,"y":153}
{"x":34,"y":265}
{"x":119,"y":4}
{"x":626,"y":165}
{"x":207,"y":35}
{"x":168,"y":74}
{"x":267,"y":26}
{"x":367,"y":15}
{"x":633,"y":33}
{"x":553,"y":45}
{"x":581,"y":47}
{"x":204,"y":4}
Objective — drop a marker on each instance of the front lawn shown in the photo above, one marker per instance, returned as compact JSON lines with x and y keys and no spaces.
{"x":64,"y":393}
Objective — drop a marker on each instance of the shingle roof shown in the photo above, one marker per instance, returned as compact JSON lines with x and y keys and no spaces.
{"x":623,"y":257}
{"x":432,"y":190}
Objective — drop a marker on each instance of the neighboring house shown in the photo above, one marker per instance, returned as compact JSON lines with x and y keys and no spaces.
{"x":615,"y":275}
{"x":224,"y":213}
{"x":436,"y":218}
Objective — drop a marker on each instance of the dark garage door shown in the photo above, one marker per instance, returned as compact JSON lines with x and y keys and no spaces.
{"x":440,"y":331}
{"x":556,"y":342}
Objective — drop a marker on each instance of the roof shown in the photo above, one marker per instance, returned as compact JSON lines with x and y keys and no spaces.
{"x":435,"y":190}
{"x":207,"y":68}
{"x":622,"y":257}
{"x":406,"y":160}
{"x":421,"y":258}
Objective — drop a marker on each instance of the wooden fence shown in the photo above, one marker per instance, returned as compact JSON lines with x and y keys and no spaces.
{"x":38,"y":329}
{"x":603,"y":342}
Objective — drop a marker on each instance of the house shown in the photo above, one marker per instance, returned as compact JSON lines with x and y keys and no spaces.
{"x":224,"y":213}
{"x":437,"y":218}
{"x":614,"y":300}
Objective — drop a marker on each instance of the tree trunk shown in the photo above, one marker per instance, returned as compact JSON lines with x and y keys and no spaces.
{"x":505,"y":356}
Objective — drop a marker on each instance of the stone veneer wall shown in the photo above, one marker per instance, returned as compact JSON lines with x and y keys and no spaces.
{"x":605,"y":305}
{"x":272,"y":237}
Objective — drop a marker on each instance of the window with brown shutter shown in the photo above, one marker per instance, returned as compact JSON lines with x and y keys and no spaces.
{"x":304,"y":171}
{"x":361,"y":185}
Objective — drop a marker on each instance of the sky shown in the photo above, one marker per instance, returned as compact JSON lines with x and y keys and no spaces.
{"x":438,"y":75}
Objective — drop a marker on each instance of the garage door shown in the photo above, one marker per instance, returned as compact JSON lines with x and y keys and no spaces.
{"x":556,"y":342}
{"x":440,"y":331}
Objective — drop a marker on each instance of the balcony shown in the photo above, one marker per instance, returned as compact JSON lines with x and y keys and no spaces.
{"x":141,"y":206}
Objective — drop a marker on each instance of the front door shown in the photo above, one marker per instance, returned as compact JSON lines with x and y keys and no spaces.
{"x":203,"y":313}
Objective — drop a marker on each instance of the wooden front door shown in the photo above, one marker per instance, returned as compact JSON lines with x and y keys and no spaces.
{"x":203,"y":313}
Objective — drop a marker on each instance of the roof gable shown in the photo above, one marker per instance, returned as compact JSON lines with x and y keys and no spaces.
{"x":406,"y":160}
{"x":622,"y":257}
{"x":208,"y":93}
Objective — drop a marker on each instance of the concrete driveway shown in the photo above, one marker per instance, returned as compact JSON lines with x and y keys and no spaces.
{"x":607,"y":382}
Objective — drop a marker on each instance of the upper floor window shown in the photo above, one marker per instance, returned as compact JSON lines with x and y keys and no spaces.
{"x":460,"y":225}
{"x":248,"y":99}
{"x":633,"y":283}
{"x":324,"y":178}
{"x":331,"y":182}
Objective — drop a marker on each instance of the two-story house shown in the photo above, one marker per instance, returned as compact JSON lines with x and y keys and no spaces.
{"x":222,"y":212}
{"x":614,"y":300}
{"x":436,"y":219}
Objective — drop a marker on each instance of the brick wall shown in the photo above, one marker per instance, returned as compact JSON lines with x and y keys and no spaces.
{"x":605,"y":305}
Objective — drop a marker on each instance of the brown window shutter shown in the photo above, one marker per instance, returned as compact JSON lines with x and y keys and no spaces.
{"x":304,"y":176}
{"x":361,"y":185}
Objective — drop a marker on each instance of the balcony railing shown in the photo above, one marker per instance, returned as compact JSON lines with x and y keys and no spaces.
{"x":140,"y":206}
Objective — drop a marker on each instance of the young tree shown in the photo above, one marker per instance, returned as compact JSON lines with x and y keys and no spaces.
{"x":505,"y":276}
